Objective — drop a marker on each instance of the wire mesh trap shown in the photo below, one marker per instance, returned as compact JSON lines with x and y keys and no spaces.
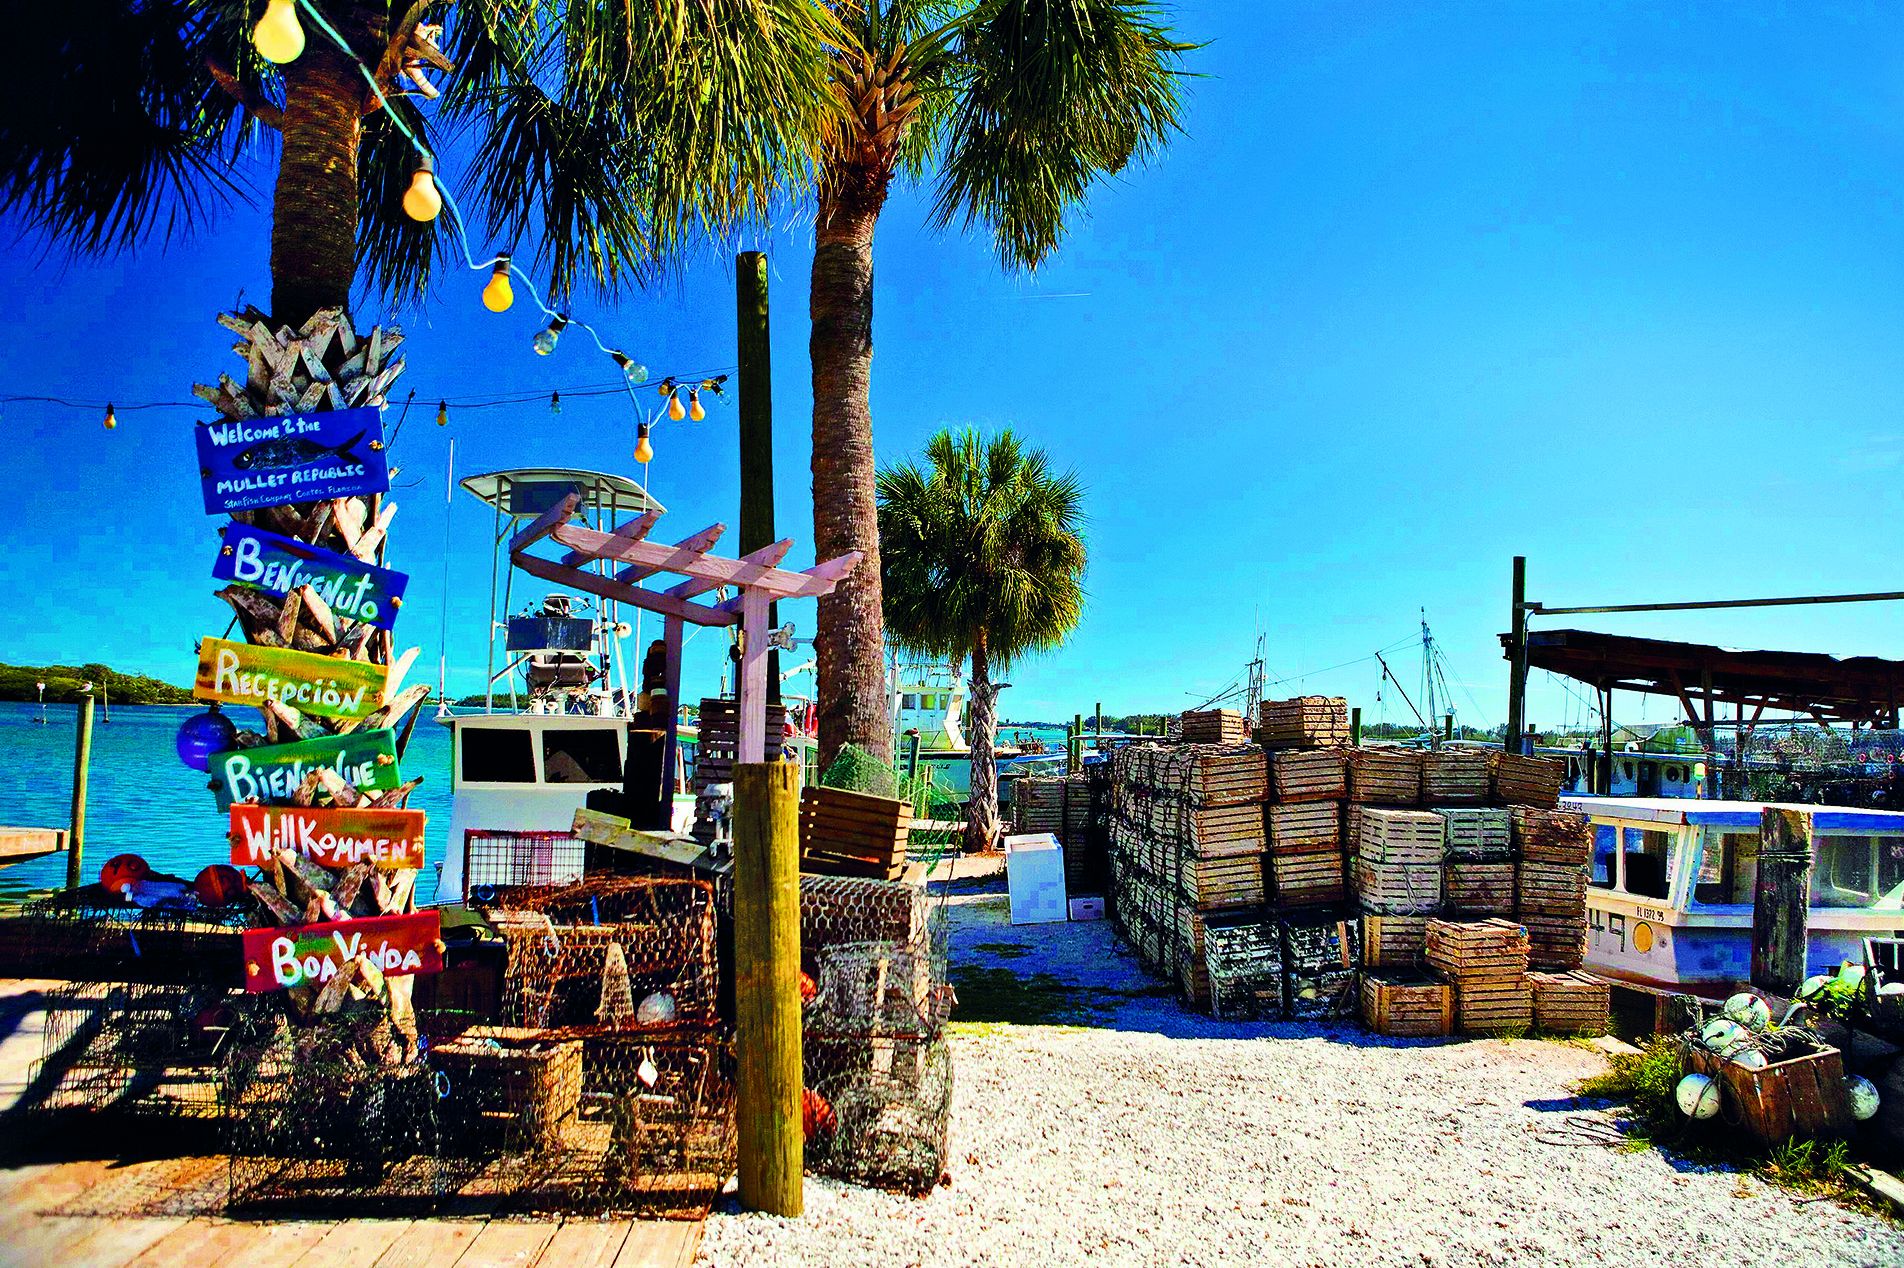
{"x":137,"y":1048}
{"x":82,"y":936}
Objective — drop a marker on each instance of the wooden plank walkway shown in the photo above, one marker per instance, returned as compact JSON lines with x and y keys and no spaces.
{"x":36,"y":1197}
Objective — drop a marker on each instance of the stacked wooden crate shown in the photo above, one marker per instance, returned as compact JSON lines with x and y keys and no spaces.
{"x":1385,"y":776}
{"x":1214,"y":726}
{"x":1455,"y":777}
{"x":1550,"y":890}
{"x":846,"y":833}
{"x":1486,"y":960}
{"x":1570,"y":1002}
{"x":1305,"y":722}
{"x":1321,"y":958}
{"x":1526,"y":781}
{"x":714,"y":752}
{"x":1398,"y":864}
{"x":1309,"y":775}
{"x":1305,"y":826}
{"x":1479,"y":877}
{"x":1393,"y":942}
{"x":1407,"y":1006}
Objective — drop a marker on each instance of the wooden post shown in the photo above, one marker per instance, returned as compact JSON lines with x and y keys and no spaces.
{"x":767,"y":986}
{"x":1097,"y":725}
{"x":1355,"y":726}
{"x":1606,"y":741}
{"x":1517,"y":659}
{"x":912,"y":756}
{"x":671,"y":757}
{"x":754,"y":360}
{"x":1781,"y":900}
{"x":82,"y":757}
{"x":1447,"y":728}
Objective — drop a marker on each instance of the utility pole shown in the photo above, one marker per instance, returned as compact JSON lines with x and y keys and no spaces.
{"x":1517,"y":659}
{"x":755,"y":375}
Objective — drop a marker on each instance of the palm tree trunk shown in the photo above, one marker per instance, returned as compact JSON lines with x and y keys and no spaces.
{"x":314,"y":212}
{"x":981,"y":823}
{"x":850,"y":642}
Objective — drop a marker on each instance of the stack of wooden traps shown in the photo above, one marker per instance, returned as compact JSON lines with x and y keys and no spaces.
{"x":1214,"y":726}
{"x":853,"y":834}
{"x":1393,"y":942}
{"x":1320,"y":774}
{"x":1076,"y":837}
{"x":714,"y":754}
{"x":1305,"y":853}
{"x":1321,"y":957}
{"x":1038,"y":804}
{"x":1407,"y":1006}
{"x":1385,"y":776}
{"x":1526,"y":781}
{"x":1551,"y":890}
{"x":1478,"y":889}
{"x":1570,"y":1003}
{"x":1398,"y":863}
{"x":1220,"y":774}
{"x":1455,"y":777}
{"x":1478,"y":836}
{"x":1305,"y":722}
{"x":1487,"y":962}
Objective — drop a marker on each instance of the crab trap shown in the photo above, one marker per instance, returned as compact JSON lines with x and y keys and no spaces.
{"x":135,"y":1047}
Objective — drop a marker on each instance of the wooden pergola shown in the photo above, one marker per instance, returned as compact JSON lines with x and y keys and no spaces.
{"x":757,"y":576}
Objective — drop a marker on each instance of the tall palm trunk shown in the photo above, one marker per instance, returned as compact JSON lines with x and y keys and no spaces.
{"x":314,"y":211}
{"x":981,"y":822}
{"x":850,"y":642}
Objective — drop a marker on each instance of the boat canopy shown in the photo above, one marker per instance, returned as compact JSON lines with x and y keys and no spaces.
{"x":532,"y":490}
{"x":1734,"y":814}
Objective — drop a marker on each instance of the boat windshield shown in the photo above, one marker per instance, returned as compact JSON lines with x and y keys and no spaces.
{"x":1850,"y":871}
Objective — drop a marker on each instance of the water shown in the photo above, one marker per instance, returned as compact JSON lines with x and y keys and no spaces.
{"x":141,"y":799}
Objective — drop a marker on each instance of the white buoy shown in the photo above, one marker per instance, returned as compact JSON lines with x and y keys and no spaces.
{"x":1864,"y":1096}
{"x":1811,"y":986}
{"x":1698,"y":1096}
{"x":1748,"y":1009}
{"x":655,"y":1008}
{"x":1722,"y":1034}
{"x":1750,"y":1058}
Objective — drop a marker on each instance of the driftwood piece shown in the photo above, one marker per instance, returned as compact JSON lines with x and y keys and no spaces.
{"x":317,"y":612}
{"x":343,"y":792}
{"x":395,"y":798}
{"x":274,"y":902}
{"x":288,"y":616}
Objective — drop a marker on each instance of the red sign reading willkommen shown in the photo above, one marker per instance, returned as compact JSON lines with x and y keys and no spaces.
{"x":388,"y":840}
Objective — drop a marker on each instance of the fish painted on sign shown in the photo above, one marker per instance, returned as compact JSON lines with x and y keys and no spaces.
{"x":293,"y":451}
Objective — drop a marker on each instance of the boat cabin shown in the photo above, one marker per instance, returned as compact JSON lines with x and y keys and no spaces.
{"x":1671,"y":881}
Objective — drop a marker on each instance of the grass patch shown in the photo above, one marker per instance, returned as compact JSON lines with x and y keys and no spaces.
{"x":1644,"y":1081}
{"x":1003,"y":950}
{"x":1000,"y":995}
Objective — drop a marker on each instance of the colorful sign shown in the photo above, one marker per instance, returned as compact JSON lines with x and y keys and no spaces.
{"x":252,"y":462}
{"x":334,"y":837}
{"x":270,"y":773}
{"x":325,"y":686}
{"x":310,"y":955}
{"x":277,"y":565}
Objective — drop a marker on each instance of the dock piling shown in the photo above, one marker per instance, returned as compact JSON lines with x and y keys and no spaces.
{"x":82,"y":758}
{"x":767,"y":986}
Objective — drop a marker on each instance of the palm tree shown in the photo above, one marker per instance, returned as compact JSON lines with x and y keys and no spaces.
{"x":615,"y":134}
{"x":1014,"y":108}
{"x":984,"y":559}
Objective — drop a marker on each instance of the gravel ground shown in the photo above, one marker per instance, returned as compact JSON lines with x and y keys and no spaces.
{"x":1152,"y":1136}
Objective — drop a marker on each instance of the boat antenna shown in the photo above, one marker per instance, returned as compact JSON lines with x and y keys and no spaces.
{"x":443,"y":605}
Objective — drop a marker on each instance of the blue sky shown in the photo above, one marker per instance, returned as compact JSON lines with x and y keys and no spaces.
{"x":1616,"y":287}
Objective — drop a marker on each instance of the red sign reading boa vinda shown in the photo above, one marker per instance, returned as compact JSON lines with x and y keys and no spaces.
{"x":336,"y":838}
{"x":310,"y":955}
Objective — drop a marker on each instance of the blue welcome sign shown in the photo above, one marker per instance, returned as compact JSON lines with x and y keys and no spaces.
{"x":278,"y":565}
{"x":252,"y":462}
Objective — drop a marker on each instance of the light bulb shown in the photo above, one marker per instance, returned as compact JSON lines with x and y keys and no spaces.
{"x":644,"y":451}
{"x":694,"y":405}
{"x":555,"y":402}
{"x":278,"y":36}
{"x":544,"y":342}
{"x":112,"y":419}
{"x":421,"y":201}
{"x":674,"y":407}
{"x":636,"y":372}
{"x":498,"y":295}
{"x":442,"y":413}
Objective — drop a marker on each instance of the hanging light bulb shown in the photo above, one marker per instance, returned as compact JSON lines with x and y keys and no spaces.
{"x":421,"y":201}
{"x":544,"y":343}
{"x":555,"y":402}
{"x":674,"y":407}
{"x":442,"y":413}
{"x":278,"y":36}
{"x":644,"y":449}
{"x":112,"y":419}
{"x":633,"y":369}
{"x":694,"y":405}
{"x":498,"y":295}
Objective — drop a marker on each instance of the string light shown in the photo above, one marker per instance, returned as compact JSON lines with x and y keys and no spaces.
{"x":544,"y":343}
{"x":695,"y":410}
{"x":112,"y":419}
{"x":421,"y":201}
{"x":675,"y":411}
{"x":631,"y":369}
{"x":499,"y":294}
{"x":555,"y":402}
{"x":278,"y":36}
{"x":644,"y":448}
{"x":442,"y":413}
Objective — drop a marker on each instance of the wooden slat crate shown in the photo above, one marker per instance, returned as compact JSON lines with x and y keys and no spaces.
{"x":1398,"y":888}
{"x":1478,"y":889}
{"x":1478,"y":950}
{"x":1478,"y":835}
{"x":1555,"y":942}
{"x":1305,"y":722}
{"x":1213,"y":726}
{"x":1385,"y":776}
{"x":1570,"y":1003}
{"x":1407,"y":1006}
{"x":1801,"y":1096}
{"x":1455,"y":777}
{"x":1551,"y":889}
{"x":846,"y":833}
{"x":512,"y":1084}
{"x":1305,"y":827}
{"x":1303,"y":880}
{"x":1526,"y":781}
{"x":719,"y":729}
{"x":1317,"y":774}
{"x":1217,"y":830}
{"x":1213,"y":774}
{"x":1393,"y":942}
{"x":1552,"y":836}
{"x":1234,"y":880}
{"x":1400,"y":836}
{"x":1489,"y":1007}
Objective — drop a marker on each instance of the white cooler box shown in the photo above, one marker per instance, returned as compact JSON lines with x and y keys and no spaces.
{"x":1034,"y":876}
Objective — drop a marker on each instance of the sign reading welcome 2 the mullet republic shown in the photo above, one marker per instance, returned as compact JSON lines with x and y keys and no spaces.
{"x":310,"y":955}
{"x":278,"y":565}
{"x":270,"y":773}
{"x":324,"y":686}
{"x":252,"y":462}
{"x":331,"y":836}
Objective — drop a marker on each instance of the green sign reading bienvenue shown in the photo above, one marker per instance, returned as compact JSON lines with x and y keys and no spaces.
{"x":270,"y":773}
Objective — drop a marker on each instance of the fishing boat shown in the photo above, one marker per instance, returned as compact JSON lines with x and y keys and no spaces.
{"x":928,"y":701}
{"x":1670,"y":892}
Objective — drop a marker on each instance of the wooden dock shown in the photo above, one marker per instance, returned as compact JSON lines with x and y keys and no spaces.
{"x":54,"y":1187}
